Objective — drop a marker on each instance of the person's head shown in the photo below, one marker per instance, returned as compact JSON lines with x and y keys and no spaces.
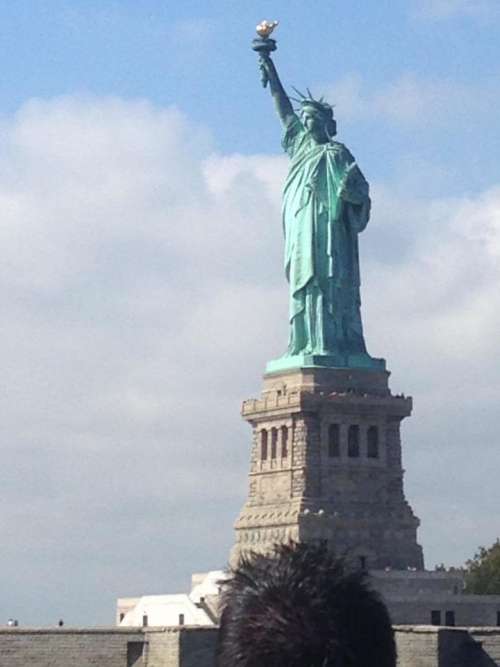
{"x":302,"y":607}
{"x":317,"y":117}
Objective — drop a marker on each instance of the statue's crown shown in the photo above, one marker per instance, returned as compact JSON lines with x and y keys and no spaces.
{"x":308,"y":101}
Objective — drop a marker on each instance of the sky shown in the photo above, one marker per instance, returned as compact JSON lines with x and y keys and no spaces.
{"x":141,"y":283}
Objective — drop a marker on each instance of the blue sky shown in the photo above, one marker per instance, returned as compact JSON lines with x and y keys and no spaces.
{"x":140,"y":179}
{"x":198,"y":58}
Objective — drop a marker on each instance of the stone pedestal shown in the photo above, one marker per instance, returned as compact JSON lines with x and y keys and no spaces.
{"x":326,"y":465}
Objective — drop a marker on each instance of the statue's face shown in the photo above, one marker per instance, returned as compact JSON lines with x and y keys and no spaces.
{"x":315,"y":125}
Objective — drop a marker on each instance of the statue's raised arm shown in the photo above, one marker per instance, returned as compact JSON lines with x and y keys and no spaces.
{"x":281,"y":99}
{"x":326,"y":204}
{"x":264,"y":45}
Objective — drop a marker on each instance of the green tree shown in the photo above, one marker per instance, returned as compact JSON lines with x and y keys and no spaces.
{"x":482,"y":573}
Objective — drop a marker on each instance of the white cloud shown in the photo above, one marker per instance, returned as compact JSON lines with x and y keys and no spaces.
{"x":434,"y":312}
{"x":125,"y":267}
{"x":413,"y":101}
{"x":142,"y":293}
{"x":443,"y":9}
{"x":190,"y":32}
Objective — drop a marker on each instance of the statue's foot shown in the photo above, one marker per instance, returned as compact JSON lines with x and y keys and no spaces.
{"x":310,"y":360}
{"x":363,"y":360}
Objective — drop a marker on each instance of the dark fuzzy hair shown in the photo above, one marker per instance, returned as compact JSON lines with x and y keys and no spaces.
{"x":302,"y":607}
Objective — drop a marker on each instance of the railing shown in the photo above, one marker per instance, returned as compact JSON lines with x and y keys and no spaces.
{"x":275,"y":401}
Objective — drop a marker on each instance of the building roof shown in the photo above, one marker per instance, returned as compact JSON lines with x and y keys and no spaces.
{"x":174,"y":609}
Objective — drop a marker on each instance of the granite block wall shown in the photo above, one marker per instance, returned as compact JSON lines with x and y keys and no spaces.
{"x":63,"y":647}
{"x":418,"y":646}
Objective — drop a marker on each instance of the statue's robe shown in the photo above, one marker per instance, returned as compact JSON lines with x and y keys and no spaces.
{"x":325,"y":205}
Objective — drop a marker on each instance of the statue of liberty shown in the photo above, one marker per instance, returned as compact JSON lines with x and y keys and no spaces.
{"x":326,"y":204}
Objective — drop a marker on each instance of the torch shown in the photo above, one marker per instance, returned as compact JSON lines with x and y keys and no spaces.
{"x":264,"y":45}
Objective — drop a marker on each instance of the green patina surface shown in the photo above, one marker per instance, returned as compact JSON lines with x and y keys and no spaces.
{"x":326,"y":204}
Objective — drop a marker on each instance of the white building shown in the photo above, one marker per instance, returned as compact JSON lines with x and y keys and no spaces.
{"x":199,"y":607}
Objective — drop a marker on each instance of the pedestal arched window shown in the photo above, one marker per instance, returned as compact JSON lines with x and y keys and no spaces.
{"x":372,"y":442}
{"x":284,"y":442}
{"x":263,"y":445}
{"x":334,"y":440}
{"x":353,"y":441}
{"x":274,"y":442}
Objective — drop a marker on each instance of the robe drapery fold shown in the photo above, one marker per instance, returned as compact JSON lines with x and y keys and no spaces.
{"x":325,"y":205}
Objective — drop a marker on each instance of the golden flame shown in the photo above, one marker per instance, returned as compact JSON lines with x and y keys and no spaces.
{"x":265,"y":28}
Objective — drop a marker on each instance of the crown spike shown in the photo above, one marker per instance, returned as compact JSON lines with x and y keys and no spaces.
{"x":299,"y":93}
